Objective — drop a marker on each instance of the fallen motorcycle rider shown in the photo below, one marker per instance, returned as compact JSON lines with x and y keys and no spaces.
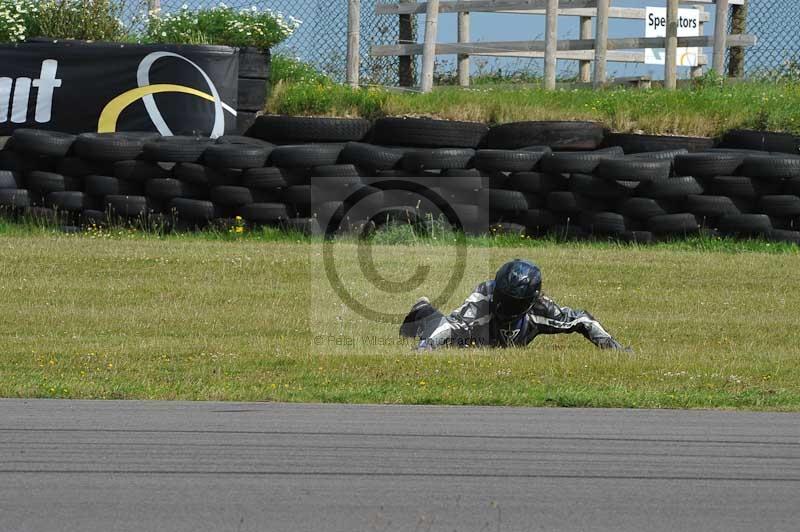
{"x":509,"y":311}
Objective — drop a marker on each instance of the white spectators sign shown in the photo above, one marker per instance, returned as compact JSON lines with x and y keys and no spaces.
{"x":656,"y":26}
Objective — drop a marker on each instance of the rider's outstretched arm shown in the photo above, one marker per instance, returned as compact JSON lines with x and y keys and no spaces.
{"x":553,"y":319}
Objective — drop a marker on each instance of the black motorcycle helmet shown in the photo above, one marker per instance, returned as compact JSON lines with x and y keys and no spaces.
{"x":517,"y":286}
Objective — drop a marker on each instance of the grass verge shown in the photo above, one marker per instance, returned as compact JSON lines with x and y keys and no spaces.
{"x":120,"y":314}
{"x":709,"y":109}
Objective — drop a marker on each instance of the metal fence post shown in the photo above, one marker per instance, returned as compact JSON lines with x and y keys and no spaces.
{"x":429,"y":46}
{"x":353,"y":42}
{"x":463,"y":59}
{"x":601,"y":43}
{"x":720,"y":36}
{"x":671,"y":51}
{"x":153,"y":5}
{"x":738,"y":27}
{"x":551,"y":45}
{"x":405,"y":66}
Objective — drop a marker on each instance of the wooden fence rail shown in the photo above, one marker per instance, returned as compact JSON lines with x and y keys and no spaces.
{"x":598,"y":48}
{"x":490,"y":48}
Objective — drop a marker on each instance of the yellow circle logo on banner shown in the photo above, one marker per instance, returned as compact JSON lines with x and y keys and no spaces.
{"x":109,"y":117}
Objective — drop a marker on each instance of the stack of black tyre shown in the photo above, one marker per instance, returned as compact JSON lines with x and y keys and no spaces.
{"x":92,"y":178}
{"x":674,"y":193}
{"x":534,"y":178}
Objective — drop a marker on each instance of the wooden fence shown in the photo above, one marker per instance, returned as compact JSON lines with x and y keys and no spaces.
{"x":597,"y":48}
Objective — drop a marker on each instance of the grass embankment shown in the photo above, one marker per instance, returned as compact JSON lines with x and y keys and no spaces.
{"x":121,"y":315}
{"x":706,"y":110}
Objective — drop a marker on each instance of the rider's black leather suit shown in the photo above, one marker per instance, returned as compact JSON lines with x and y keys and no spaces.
{"x":474,"y":324}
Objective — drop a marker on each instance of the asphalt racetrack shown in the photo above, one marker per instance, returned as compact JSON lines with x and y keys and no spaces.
{"x":155,"y":466}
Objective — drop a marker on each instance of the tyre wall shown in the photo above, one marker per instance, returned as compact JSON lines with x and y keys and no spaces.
{"x":567,"y":179}
{"x":253,"y":85}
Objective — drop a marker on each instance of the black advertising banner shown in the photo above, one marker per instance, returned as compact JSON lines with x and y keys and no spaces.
{"x":79,"y":87}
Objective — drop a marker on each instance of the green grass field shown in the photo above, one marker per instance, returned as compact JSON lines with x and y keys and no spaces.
{"x":117,"y":314}
{"x":708,"y":109}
